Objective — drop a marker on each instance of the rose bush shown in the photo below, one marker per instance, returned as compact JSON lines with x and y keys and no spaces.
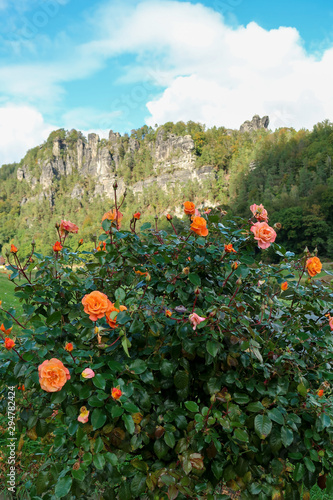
{"x":170,"y":366}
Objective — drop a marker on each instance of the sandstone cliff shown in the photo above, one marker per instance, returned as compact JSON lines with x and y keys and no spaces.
{"x":172,"y":160}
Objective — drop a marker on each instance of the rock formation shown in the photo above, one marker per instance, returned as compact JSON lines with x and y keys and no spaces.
{"x":255,"y":124}
{"x":172,"y":157}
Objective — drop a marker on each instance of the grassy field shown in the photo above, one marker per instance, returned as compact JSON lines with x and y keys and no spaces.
{"x":7,"y":293}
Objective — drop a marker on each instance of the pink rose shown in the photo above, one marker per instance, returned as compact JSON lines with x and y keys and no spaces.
{"x":195,"y":320}
{"x":84,"y":415}
{"x":88,"y":373}
{"x":259,"y":212}
{"x":66,"y":225}
{"x":264,"y":234}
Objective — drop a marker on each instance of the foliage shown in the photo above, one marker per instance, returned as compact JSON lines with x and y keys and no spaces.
{"x":226,"y":407}
{"x":286,"y":170}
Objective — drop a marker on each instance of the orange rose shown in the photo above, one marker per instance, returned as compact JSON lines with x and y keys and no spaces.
{"x":313,"y":266}
{"x":81,"y":241}
{"x":116,"y":393}
{"x":229,"y":248}
{"x":320,"y":393}
{"x":168,"y":313}
{"x":3,"y":329}
{"x":112,"y":216}
{"x":13,"y":249}
{"x":53,"y":375}
{"x":168,"y":216}
{"x":99,"y":248}
{"x":69,"y":347}
{"x":9,"y":343}
{"x":189,"y":208}
{"x":137,"y":215}
{"x":57,"y":246}
{"x":112,"y":322}
{"x":284,"y":286}
{"x":199,"y":226}
{"x":264,"y":234}
{"x":96,"y":304}
{"x":67,"y":227}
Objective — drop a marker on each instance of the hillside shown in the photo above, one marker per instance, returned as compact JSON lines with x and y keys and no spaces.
{"x":71,"y":177}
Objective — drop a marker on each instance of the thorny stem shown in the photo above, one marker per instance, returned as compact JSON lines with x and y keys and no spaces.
{"x":14,"y":318}
{"x":225,"y":281}
{"x":181,"y":248}
{"x":234,"y":295}
{"x":110,"y":345}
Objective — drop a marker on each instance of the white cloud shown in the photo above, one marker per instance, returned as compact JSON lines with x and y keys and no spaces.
{"x":215,"y":73}
{"x":21,"y":128}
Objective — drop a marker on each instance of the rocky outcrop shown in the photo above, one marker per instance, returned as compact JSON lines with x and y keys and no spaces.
{"x":171,"y":144}
{"x":255,"y":124}
{"x":26,"y":174}
{"x":168,"y":181}
{"x":173,"y":162}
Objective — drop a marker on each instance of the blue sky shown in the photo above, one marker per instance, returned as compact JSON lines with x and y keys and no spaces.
{"x":100,"y":65}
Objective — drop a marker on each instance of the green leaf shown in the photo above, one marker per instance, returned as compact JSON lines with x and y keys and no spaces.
{"x":131,"y":407}
{"x":240,"y":398}
{"x":255,"y":407}
{"x":87,"y":459}
{"x":138,"y":366}
{"x":98,"y":445}
{"x":166,"y":368}
{"x":58,"y":397}
{"x":299,"y":472}
{"x":95,"y":401}
{"x":192,"y":406}
{"x":106,"y":224}
{"x":117,"y":411}
{"x":144,"y":226}
{"x":54,"y":318}
{"x":160,"y":448}
{"x":181,"y":379}
{"x":63,"y":486}
{"x":170,"y":439}
{"x":276,"y":416}
{"x":78,"y":474}
{"x":195,"y":279}
{"x":111,"y":458}
{"x":138,"y":485}
{"x":99,"y":461}
{"x":120,"y":294}
{"x":262,"y":426}
{"x":125,"y":343}
{"x":241,"y":435}
{"x":98,"y":418}
{"x":129,"y":423}
{"x":99,"y":381}
{"x":287,"y":436}
{"x":41,"y":482}
{"x":309,"y":464}
{"x":302,"y":390}
{"x":212,"y":347}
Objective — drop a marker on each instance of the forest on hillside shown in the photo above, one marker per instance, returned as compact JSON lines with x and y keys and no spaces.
{"x":288,"y":171}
